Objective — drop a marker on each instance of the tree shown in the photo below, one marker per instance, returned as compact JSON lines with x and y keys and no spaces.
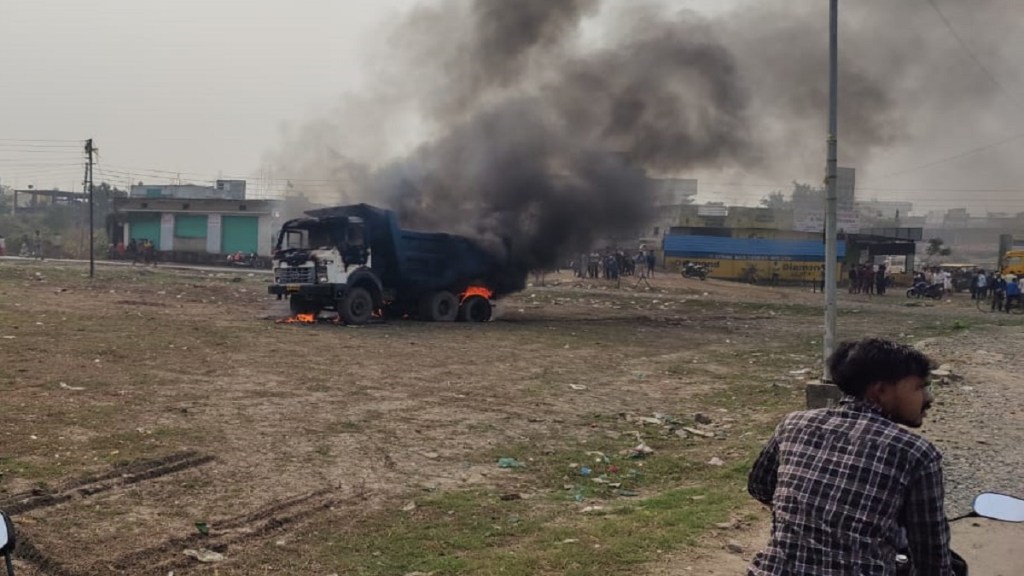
{"x":6,"y":199}
{"x":805,"y":194}
{"x":936,"y":247}
{"x":775,"y":199}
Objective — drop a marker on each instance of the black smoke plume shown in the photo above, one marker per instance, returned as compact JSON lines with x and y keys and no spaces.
{"x":543,"y":122}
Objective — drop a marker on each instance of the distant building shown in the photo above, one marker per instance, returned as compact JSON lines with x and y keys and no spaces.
{"x":874,"y":210}
{"x":674,"y":191}
{"x":197,"y":229}
{"x":223,"y":189}
{"x":809,"y":213}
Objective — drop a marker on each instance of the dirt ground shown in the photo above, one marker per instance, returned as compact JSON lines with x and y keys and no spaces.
{"x":152,"y":411}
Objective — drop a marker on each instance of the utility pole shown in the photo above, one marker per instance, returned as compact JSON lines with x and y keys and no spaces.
{"x":831,"y":199}
{"x":88,"y":178}
{"x":826,"y":393}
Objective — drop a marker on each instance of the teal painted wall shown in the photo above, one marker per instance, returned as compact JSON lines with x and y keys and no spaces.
{"x":145,"y":226}
{"x":239,"y":234}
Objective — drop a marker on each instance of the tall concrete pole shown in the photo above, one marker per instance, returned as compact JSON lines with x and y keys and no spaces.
{"x":831,"y":199}
{"x":92,"y":235}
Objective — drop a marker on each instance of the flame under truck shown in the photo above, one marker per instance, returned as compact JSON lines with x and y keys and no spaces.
{"x":357,"y":261}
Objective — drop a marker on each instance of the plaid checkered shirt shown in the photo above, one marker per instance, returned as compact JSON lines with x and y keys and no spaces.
{"x":849,"y":490}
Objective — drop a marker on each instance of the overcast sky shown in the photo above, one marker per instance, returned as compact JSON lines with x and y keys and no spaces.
{"x":207,"y":88}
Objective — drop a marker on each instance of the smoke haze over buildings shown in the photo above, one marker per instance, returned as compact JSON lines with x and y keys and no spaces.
{"x":541,"y":121}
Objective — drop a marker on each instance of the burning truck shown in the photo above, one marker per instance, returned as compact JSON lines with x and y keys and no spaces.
{"x":357,"y":261}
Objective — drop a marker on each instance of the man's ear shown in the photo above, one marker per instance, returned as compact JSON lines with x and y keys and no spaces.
{"x":874,"y":392}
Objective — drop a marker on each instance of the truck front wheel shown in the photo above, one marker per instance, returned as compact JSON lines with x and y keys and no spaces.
{"x":302,"y":305}
{"x":356,"y":307}
{"x":440,"y":306}
{"x":475,"y":309}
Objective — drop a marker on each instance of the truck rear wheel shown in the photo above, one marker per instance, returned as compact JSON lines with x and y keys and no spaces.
{"x":440,"y":306}
{"x":475,"y":309}
{"x":356,"y":307}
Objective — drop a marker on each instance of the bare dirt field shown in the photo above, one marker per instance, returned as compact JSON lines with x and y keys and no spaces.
{"x":589,"y":429}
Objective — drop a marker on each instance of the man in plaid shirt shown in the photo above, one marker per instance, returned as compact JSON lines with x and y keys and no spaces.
{"x":849,"y":487}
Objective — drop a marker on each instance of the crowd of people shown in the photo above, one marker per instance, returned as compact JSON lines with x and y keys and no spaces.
{"x":141,"y":250}
{"x":869,"y":279}
{"x":613,"y":264}
{"x":1002,"y":291}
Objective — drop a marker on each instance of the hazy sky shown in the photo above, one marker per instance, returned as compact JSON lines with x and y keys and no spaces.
{"x":207,"y":88}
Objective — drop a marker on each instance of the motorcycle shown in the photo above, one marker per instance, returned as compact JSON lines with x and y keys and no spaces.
{"x":926,"y":290}
{"x":7,"y":541}
{"x":987,"y":505}
{"x":245,"y":260}
{"x":695,"y":271}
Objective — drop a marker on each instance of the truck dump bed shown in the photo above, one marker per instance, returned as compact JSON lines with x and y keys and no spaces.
{"x":416,"y":262}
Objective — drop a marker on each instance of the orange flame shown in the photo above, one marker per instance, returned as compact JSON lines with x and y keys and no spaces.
{"x":476,"y":291}
{"x":299,"y":319}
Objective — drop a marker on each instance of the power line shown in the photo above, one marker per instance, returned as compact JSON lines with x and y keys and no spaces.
{"x":967,"y":49}
{"x":77,"y":142}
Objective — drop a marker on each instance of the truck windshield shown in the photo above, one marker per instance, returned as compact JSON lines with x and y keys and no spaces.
{"x":304,"y":239}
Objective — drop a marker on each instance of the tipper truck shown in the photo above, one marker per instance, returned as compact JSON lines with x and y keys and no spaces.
{"x":357,"y":261}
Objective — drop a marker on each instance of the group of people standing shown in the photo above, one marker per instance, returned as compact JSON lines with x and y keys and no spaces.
{"x":142,"y":250}
{"x":612,"y":264}
{"x":1004,"y":291}
{"x":868,"y":279}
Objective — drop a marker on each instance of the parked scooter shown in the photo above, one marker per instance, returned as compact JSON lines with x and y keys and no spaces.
{"x":245,"y":260}
{"x":986,"y":505}
{"x":926,"y":290}
{"x":7,"y":541}
{"x":691,"y":270}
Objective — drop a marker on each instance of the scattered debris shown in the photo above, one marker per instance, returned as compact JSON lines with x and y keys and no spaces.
{"x":593,"y":510}
{"x":716,"y":461}
{"x":701,"y":433}
{"x":734,"y":546}
{"x":203,"y":528}
{"x":205,"y":556}
{"x":585,"y":471}
{"x":577,"y":386}
{"x":640,"y":451}
{"x":409,"y":506}
{"x":73,"y":388}
{"x":509,"y":463}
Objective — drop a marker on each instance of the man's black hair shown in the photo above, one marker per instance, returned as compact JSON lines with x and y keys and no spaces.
{"x":856,"y":365}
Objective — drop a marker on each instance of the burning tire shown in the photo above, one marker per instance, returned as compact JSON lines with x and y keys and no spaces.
{"x":440,"y":306}
{"x":475,"y":309}
{"x":356,"y":307}
{"x":302,"y":305}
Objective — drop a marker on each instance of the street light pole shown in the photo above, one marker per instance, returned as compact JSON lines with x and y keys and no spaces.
{"x":831,"y":199}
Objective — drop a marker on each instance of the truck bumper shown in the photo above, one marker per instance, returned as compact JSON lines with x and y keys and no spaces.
{"x":307,"y":290}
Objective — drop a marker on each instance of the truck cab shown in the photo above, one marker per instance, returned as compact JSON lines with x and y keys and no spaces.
{"x":326,"y":264}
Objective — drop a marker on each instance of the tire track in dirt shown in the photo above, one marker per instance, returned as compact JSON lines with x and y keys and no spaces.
{"x":227,"y":533}
{"x":120,"y":476}
{"x":275,"y":517}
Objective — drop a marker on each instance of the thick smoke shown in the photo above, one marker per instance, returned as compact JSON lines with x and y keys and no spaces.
{"x":542,"y":122}
{"x":541,"y":159}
